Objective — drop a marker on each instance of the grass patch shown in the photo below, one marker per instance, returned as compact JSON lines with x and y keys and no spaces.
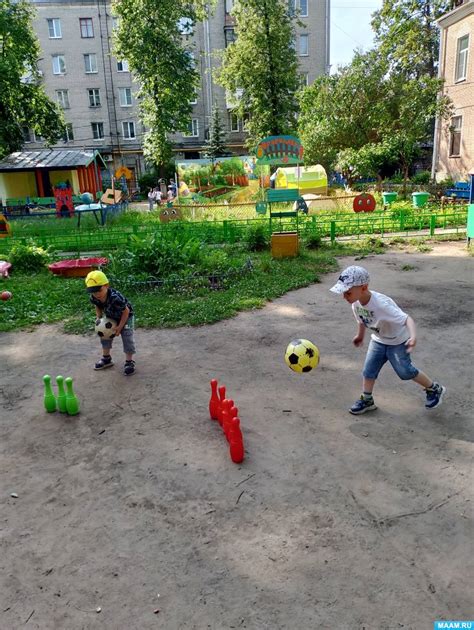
{"x":42,"y":298}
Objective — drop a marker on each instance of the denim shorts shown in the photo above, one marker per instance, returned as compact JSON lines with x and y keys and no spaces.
{"x":380,"y":353}
{"x":127,"y":338}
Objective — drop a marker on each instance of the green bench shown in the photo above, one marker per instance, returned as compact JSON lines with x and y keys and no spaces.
{"x":43,"y":201}
{"x":282,"y":195}
{"x":15,"y":202}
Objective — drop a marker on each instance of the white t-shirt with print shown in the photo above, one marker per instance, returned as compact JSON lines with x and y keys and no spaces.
{"x":384,"y":318}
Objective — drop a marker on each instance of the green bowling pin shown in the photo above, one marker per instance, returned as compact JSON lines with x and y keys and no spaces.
{"x":49,"y":397}
{"x":72,"y":404}
{"x":61,"y":394}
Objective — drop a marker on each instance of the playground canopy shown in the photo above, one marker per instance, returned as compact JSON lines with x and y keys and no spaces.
{"x":36,"y":173}
{"x":309,"y":179}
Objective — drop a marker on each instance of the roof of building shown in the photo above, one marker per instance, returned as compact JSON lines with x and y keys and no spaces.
{"x":50,"y":159}
{"x":462,"y":9}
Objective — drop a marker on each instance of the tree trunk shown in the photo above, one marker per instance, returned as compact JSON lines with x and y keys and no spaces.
{"x":405,"y":179}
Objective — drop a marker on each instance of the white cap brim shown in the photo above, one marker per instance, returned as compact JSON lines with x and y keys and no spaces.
{"x":339,"y":288}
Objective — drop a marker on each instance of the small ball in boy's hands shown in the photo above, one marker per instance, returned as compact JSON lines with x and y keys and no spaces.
{"x":106,"y":328}
{"x":5,"y":295}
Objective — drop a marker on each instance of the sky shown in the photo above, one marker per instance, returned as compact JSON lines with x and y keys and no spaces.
{"x":350,"y":28}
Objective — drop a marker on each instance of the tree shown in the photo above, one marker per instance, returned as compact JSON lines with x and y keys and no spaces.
{"x":365,"y":118}
{"x":152,"y":35}
{"x":368,"y":161}
{"x":260,"y":68}
{"x":344,"y":110}
{"x":407,"y":36}
{"x":23,"y":101}
{"x":215,"y":146}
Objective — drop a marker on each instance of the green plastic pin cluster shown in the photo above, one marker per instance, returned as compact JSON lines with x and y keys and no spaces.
{"x":66,"y":401}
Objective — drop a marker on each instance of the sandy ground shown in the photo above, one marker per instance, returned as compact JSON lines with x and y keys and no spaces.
{"x":332,"y":521}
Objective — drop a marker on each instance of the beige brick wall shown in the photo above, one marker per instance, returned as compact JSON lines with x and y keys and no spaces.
{"x":462,"y":96}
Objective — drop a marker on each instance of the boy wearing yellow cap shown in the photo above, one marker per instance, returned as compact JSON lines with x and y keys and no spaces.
{"x":112,"y":304}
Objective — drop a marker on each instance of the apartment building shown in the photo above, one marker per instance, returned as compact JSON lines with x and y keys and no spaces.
{"x":217,"y":32}
{"x":98,"y":94}
{"x":454,"y":139}
{"x":94,"y":88}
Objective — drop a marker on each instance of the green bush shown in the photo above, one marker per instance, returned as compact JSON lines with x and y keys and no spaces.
{"x":396,"y":178}
{"x":154,"y":256}
{"x":424,"y":177}
{"x":29,"y":257}
{"x":147,"y":180}
{"x":313,"y":241}
{"x":256,"y":238}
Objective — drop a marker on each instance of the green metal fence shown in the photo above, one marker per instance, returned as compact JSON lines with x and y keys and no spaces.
{"x":382,"y":224}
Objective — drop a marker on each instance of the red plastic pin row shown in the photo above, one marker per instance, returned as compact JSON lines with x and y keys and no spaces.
{"x":226,"y":413}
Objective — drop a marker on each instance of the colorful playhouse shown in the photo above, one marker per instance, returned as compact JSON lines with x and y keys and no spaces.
{"x":308,"y":179}
{"x":38,"y":173}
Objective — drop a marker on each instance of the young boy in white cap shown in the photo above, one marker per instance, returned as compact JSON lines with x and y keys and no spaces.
{"x":112,"y":304}
{"x":393,"y":338}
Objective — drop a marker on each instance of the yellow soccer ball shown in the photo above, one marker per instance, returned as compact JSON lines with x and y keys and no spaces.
{"x":302,"y":355}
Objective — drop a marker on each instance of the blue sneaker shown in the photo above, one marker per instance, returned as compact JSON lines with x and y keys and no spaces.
{"x":362,"y":405}
{"x":434,"y":396}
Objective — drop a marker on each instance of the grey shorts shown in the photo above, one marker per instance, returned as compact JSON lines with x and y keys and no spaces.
{"x":127,"y":338}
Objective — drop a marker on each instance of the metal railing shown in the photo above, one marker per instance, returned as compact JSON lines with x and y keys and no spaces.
{"x":382,"y":224}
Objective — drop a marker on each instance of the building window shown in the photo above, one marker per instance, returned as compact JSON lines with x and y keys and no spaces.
{"x":90,"y":63}
{"x":27,"y":135}
{"x":87,"y":28}
{"x":97,"y":130}
{"x":191,"y":57}
{"x":229,"y":35}
{"x":185,"y":26}
{"x":59,"y":65}
{"x":304,"y":79}
{"x":68,"y":135}
{"x":455,"y":136}
{"x":122,"y":66}
{"x":62,"y":97}
{"x":234,"y":123}
{"x":304,"y":46}
{"x":194,"y":100}
{"x":193,"y":130}
{"x":37,"y":137}
{"x":94,"y":97}
{"x":54,"y":28}
{"x":298,"y":6}
{"x":461,"y":58}
{"x":128,"y":129}
{"x":125,"y":97}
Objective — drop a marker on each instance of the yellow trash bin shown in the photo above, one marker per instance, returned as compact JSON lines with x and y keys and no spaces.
{"x":284,"y":244}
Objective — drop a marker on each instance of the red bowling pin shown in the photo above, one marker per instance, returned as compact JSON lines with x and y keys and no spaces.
{"x":221,"y":400}
{"x":214,"y":402}
{"x":229,"y":405}
{"x":233,"y":413}
{"x":225,"y":414}
{"x":236,"y":442}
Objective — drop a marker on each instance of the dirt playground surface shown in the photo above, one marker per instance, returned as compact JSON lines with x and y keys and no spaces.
{"x":332,"y":521}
